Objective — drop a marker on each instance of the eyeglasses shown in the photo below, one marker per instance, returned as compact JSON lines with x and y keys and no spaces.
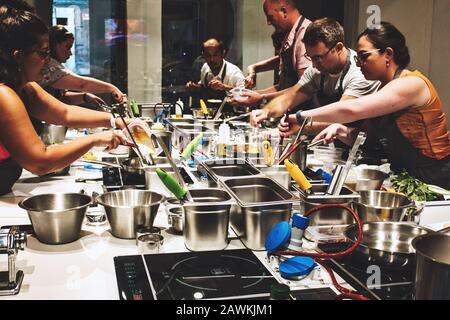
{"x":44,"y":54}
{"x":321,"y":57}
{"x":362,"y":57}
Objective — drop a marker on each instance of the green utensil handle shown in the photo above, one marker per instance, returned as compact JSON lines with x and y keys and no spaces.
{"x":190,"y":149}
{"x":171,"y":184}
{"x":135,"y":108}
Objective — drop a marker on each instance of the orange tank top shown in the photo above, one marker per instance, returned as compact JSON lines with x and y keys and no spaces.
{"x":426,"y":126}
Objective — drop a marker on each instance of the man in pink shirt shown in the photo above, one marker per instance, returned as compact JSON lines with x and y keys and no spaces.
{"x":284,"y":16}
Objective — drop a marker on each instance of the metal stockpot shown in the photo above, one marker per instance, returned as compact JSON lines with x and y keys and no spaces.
{"x":387,"y":244}
{"x":206,"y":220}
{"x":432,"y":267}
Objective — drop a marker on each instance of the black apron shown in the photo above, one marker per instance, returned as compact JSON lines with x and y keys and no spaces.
{"x":403,"y":155}
{"x":208,"y":93}
{"x":288,"y":75}
{"x":324,"y":99}
{"x":10,"y":172}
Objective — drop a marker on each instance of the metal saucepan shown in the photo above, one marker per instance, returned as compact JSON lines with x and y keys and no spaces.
{"x":387,"y":244}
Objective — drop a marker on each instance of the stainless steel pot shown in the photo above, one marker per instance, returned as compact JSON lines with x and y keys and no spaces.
{"x":432,"y":267}
{"x":382,"y":206}
{"x":387,"y":244}
{"x":57,"y":218}
{"x":53,"y":134}
{"x":130,"y":209}
{"x":206,"y":220}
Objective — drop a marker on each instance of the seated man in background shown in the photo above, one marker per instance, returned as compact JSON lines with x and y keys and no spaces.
{"x":217,"y":75}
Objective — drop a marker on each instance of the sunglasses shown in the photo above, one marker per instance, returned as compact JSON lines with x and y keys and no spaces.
{"x":362,"y":57}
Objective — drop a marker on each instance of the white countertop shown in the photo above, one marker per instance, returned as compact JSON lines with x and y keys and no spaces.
{"x":84,"y":269}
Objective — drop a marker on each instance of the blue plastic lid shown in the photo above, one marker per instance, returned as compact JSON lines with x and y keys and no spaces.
{"x":328,"y":177}
{"x":300,"y":222}
{"x":297,"y":267}
{"x":278,"y":237}
{"x":204,"y":141}
{"x":191,"y":163}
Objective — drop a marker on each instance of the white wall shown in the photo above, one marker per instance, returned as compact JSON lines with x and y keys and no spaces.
{"x":426,"y":25}
{"x":145,"y":55}
{"x":440,"y":52}
{"x":256,"y":39}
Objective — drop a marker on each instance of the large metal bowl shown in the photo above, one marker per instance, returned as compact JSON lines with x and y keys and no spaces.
{"x":387,"y":244}
{"x":127,"y":210}
{"x":382,"y":206}
{"x":53,"y":134}
{"x":57,"y":218}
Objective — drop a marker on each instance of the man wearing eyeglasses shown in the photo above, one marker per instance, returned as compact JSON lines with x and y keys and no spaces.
{"x":333,"y":77}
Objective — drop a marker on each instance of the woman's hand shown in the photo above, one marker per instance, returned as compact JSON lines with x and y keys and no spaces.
{"x":333,"y":132}
{"x":93,"y":99}
{"x":110,"y":139}
{"x":119,"y":96}
{"x":289,"y":126}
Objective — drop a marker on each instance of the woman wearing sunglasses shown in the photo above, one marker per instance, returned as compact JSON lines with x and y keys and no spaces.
{"x":23,"y":55}
{"x":405,"y":115}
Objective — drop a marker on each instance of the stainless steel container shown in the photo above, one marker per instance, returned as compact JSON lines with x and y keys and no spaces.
{"x":382,"y":206}
{"x":278,"y":174}
{"x":432,"y":267}
{"x":175,"y":217}
{"x":206,"y":220}
{"x":53,"y":134}
{"x":368,"y":180}
{"x":166,"y":137}
{"x":57,"y":218}
{"x":128,"y":210}
{"x":329,"y":216}
{"x":262,"y":204}
{"x":230,"y":168}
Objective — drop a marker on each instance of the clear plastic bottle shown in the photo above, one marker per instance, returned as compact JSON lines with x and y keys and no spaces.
{"x":179,"y":108}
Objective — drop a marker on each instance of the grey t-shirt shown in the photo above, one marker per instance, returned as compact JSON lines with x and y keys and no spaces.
{"x":52,"y":73}
{"x":354,"y":83}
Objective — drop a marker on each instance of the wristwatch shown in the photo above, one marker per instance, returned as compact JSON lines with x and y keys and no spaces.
{"x":299,"y":117}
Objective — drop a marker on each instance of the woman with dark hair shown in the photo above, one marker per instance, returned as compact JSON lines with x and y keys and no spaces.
{"x":61,"y":82}
{"x":405,"y":115}
{"x":24,"y":52}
